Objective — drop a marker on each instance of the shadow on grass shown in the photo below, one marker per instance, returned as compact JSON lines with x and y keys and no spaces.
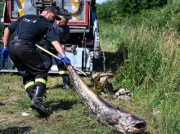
{"x":15,"y":130}
{"x":2,"y":104}
{"x":62,"y":104}
{"x":60,"y":86}
{"x":112,"y":61}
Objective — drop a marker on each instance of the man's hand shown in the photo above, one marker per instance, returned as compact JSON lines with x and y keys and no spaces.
{"x":60,"y":59}
{"x":66,"y":60}
{"x":4,"y":54}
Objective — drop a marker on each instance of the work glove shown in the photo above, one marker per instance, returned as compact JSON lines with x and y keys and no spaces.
{"x":4,"y":54}
{"x":66,"y":60}
{"x":60,"y":59}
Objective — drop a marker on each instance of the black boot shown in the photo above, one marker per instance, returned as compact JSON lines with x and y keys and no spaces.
{"x":30,"y":92}
{"x":36,"y":102}
{"x":66,"y":82}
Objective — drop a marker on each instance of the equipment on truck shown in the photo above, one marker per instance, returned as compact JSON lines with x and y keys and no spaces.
{"x":84,"y":45}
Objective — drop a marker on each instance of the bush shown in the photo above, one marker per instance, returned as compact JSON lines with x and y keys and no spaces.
{"x":149,"y":43}
{"x":116,"y":10}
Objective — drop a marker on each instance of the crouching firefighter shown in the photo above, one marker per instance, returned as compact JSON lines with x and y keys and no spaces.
{"x":22,"y":50}
{"x":63,"y":31}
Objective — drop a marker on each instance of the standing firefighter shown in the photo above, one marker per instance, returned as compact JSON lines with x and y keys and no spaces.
{"x":62,"y":29}
{"x":27,"y":30}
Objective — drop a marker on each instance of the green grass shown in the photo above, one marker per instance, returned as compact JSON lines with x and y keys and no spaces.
{"x":69,"y":115}
{"x":150,"y":67}
{"x":143,"y":52}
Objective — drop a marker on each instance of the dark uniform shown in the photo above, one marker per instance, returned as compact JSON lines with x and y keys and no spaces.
{"x":27,"y":30}
{"x":64,"y":35}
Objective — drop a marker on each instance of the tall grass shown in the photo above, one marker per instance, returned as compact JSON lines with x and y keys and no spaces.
{"x":1,"y":15}
{"x":151,"y":66}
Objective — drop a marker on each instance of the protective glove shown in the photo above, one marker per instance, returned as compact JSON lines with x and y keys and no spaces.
{"x":4,"y":54}
{"x":66,"y":60}
{"x":60,"y":59}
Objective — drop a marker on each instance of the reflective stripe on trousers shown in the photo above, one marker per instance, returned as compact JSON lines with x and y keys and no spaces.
{"x":41,"y":80}
{"x":63,"y":72}
{"x":31,"y":83}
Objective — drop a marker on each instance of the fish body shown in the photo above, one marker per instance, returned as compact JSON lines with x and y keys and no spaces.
{"x":119,"y":120}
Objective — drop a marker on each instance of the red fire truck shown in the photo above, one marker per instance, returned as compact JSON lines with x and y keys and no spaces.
{"x":83,"y":46}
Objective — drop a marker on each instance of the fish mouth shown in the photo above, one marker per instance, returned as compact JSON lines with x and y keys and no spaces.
{"x":138,"y":128}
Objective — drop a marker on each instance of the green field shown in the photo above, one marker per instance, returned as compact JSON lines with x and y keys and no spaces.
{"x":142,"y":51}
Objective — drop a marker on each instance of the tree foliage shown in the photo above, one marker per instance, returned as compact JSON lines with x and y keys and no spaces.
{"x":115,"y":10}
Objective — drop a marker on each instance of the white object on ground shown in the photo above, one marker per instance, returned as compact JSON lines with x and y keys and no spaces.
{"x":123,"y":94}
{"x":25,"y":114}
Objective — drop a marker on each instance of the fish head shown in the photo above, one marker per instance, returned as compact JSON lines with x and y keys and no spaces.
{"x":130,"y":124}
{"x":136,"y":125}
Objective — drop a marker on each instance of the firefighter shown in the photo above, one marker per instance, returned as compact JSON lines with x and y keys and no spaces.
{"x":23,"y":34}
{"x":63,"y":31}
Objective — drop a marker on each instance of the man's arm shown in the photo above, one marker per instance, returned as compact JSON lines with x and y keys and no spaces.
{"x":63,"y":45}
{"x":62,"y":55}
{"x":7,"y":35}
{"x":9,"y":30}
{"x":58,"y":48}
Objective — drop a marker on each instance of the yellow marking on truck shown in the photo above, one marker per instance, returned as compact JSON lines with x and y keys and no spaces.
{"x":20,"y":3}
{"x":20,"y":8}
{"x":21,"y":12}
{"x":74,"y":9}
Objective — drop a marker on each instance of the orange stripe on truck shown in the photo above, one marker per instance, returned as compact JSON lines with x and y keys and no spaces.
{"x":21,"y":12}
{"x":75,"y":5}
{"x":20,"y":3}
{"x":20,"y":8}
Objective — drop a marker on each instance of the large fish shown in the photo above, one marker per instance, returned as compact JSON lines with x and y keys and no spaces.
{"x":120,"y":120}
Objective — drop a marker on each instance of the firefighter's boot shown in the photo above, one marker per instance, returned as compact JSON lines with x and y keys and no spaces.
{"x":30,"y":92}
{"x":36,"y":102}
{"x":30,"y":87}
{"x":66,"y":82}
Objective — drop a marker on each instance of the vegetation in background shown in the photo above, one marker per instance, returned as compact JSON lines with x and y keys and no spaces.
{"x":143,"y":50}
{"x":116,"y":10}
{"x":1,"y":7}
{"x":1,"y":15}
{"x":149,"y":43}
